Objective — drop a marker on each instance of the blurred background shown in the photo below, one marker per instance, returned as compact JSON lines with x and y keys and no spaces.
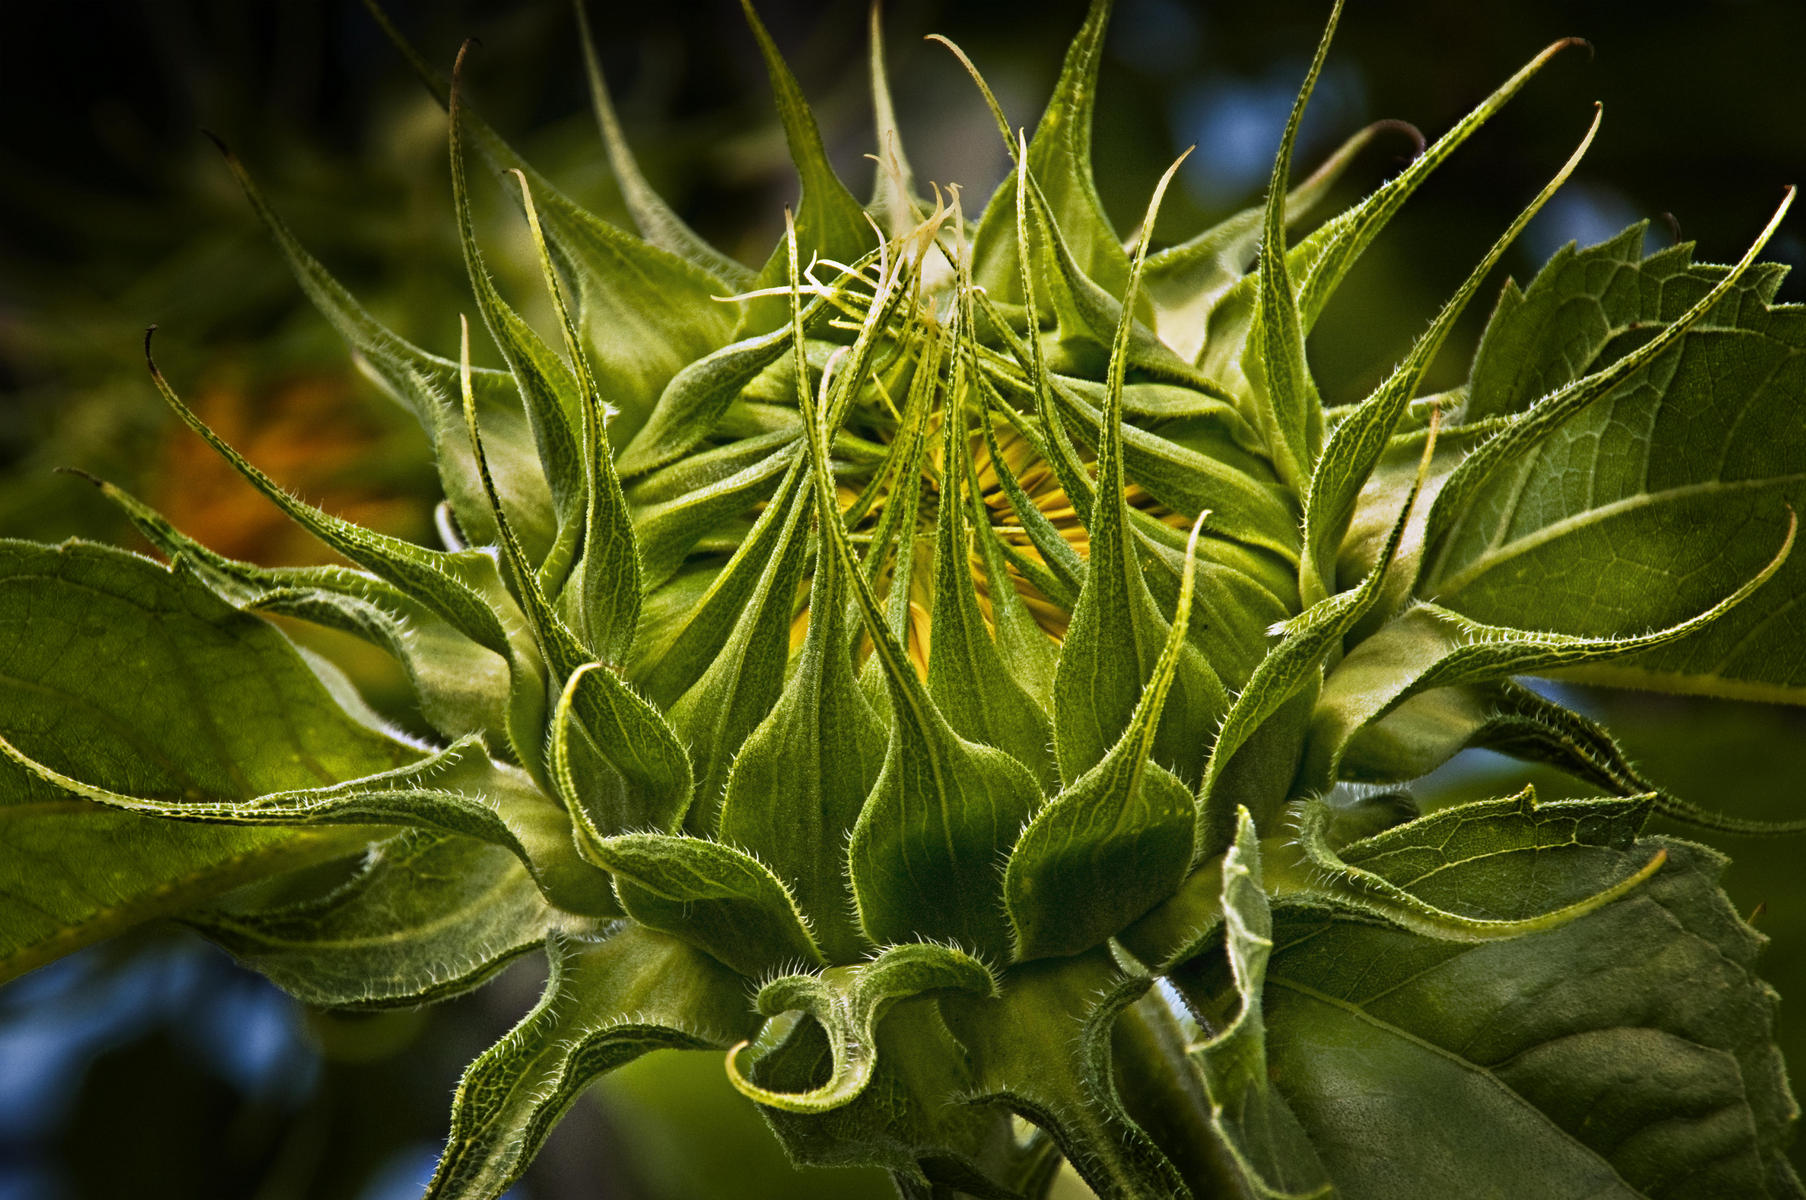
{"x":157,"y":1052}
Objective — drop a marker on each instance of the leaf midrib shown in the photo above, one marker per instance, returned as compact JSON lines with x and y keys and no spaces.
{"x":1468,"y":1065}
{"x":173,"y":895}
{"x":1498,"y":555}
{"x":504,"y":883}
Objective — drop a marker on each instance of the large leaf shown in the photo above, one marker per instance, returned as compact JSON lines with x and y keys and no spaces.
{"x":1428,"y":646}
{"x":136,"y":678}
{"x":1627,"y":1053}
{"x":461,"y":687}
{"x":429,"y":915}
{"x":1556,"y":329}
{"x":1645,"y":505}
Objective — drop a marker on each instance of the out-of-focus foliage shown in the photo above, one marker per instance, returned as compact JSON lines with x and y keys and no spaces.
{"x":64,"y":346}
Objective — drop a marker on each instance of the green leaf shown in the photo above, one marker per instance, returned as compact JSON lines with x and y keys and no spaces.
{"x":746,"y":675}
{"x":131,"y":676}
{"x":1057,"y":450}
{"x":1042,"y":1049}
{"x":1529,"y":726}
{"x":604,"y":1006}
{"x":942,"y":809}
{"x":830,"y":223}
{"x":469,"y":795}
{"x":73,"y":873}
{"x":892,"y":542}
{"x":633,"y":772}
{"x":427,"y":386}
{"x":1547,"y":335}
{"x":1028,"y":653}
{"x":1117,"y":840}
{"x":798,"y":785}
{"x":1628,"y":1053}
{"x":968,"y":675}
{"x":1428,"y":646}
{"x":717,"y":898}
{"x":924,"y":855}
{"x":461,"y":687}
{"x":1378,"y":874}
{"x":1687,"y":447}
{"x":1285,"y":401}
{"x":1270,"y":1153}
{"x":428,"y":916}
{"x":1359,"y":441}
{"x":1117,"y":633}
{"x":657,"y":222}
{"x":463,"y":590}
{"x":849,"y":1003}
{"x":1086,"y":316}
{"x":135,"y":676}
{"x":1516,"y":442}
{"x":1059,"y":159}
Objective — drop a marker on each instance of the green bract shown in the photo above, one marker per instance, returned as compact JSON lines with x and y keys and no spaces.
{"x":880,"y":667}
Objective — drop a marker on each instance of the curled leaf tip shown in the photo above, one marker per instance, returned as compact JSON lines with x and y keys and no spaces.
{"x":1393,"y":125}
{"x":1560,"y":44}
{"x":96,"y":480}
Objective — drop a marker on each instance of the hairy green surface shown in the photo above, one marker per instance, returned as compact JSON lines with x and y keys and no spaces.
{"x":885,"y":666}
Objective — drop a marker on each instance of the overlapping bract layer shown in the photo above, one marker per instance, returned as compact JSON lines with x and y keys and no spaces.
{"x":835,"y":628}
